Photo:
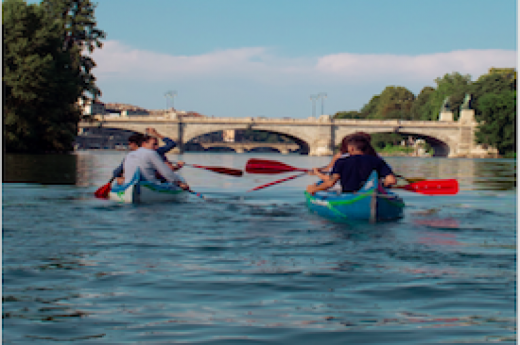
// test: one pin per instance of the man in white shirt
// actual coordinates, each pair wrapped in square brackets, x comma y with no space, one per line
[149,162]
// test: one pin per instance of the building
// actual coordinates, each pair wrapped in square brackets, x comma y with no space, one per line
[137,112]
[91,107]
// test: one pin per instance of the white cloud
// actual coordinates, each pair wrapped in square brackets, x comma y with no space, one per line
[118,61]
[419,67]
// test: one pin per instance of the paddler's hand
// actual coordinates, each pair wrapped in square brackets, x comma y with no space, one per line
[180,164]
[311,189]
[183,185]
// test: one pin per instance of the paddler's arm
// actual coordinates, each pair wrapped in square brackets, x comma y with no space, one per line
[317,172]
[324,186]
[169,144]
[118,171]
[332,162]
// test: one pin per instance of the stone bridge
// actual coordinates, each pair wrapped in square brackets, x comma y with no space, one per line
[315,136]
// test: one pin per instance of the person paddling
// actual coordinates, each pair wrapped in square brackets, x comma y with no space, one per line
[354,170]
[149,162]
[343,151]
[134,142]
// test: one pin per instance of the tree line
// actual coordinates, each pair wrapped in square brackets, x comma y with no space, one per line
[46,69]
[493,97]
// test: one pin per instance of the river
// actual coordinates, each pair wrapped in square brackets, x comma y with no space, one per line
[254,268]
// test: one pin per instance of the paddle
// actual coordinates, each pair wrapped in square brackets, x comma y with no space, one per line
[102,192]
[410,179]
[433,187]
[219,170]
[266,166]
[276,182]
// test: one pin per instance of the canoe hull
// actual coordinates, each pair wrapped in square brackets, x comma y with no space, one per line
[372,203]
[143,192]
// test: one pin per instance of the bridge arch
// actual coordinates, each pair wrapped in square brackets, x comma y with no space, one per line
[191,134]
[442,144]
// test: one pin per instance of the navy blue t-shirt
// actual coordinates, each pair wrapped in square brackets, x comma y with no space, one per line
[355,170]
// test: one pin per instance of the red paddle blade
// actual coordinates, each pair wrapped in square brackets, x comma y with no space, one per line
[434,187]
[103,191]
[276,182]
[221,170]
[265,166]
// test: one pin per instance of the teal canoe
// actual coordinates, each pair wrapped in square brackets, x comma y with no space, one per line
[371,203]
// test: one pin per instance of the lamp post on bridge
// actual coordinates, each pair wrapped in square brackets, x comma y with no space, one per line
[170,95]
[313,99]
[322,95]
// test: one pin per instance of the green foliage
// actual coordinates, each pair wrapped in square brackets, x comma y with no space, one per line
[420,105]
[394,102]
[397,150]
[371,107]
[78,33]
[42,80]
[348,115]
[498,116]
[491,83]
[380,140]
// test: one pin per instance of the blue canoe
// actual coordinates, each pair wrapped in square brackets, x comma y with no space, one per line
[371,203]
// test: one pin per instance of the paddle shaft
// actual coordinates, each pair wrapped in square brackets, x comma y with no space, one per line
[276,182]
[218,170]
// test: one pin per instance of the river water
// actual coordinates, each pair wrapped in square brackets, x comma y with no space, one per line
[254,268]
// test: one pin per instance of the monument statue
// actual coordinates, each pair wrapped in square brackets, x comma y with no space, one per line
[445,108]
[465,104]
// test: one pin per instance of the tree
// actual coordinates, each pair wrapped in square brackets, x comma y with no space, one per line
[43,77]
[419,109]
[370,108]
[495,82]
[353,114]
[394,102]
[498,121]
[40,88]
[79,34]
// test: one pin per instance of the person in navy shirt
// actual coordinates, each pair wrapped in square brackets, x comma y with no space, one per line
[354,170]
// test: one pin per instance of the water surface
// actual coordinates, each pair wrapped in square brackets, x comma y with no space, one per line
[254,267]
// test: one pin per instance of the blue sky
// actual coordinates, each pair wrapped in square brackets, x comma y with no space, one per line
[237,58]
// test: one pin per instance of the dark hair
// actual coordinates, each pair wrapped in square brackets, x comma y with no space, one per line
[146,138]
[361,143]
[136,139]
[361,135]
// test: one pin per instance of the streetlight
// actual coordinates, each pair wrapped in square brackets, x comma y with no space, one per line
[313,99]
[322,95]
[170,95]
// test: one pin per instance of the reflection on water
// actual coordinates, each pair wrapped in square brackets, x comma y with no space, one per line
[44,169]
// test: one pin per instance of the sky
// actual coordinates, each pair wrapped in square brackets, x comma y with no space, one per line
[238,58]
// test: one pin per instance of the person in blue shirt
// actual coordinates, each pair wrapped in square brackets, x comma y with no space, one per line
[354,170]
[135,141]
